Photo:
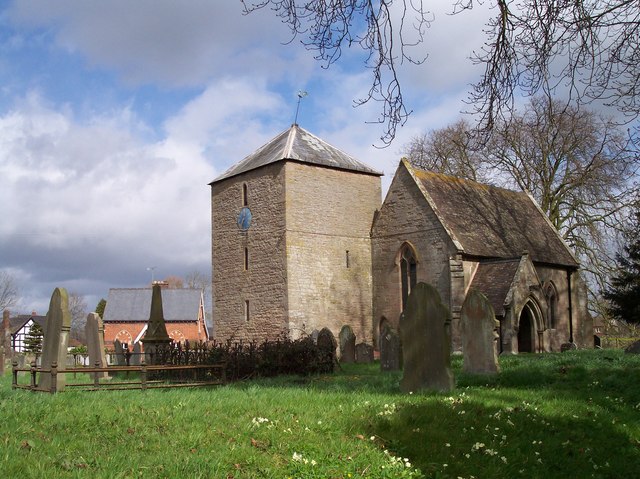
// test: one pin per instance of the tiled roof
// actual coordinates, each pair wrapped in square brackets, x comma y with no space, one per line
[17,322]
[491,222]
[494,281]
[134,304]
[297,144]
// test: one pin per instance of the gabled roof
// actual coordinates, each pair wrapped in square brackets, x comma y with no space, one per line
[134,304]
[491,222]
[297,144]
[18,322]
[494,281]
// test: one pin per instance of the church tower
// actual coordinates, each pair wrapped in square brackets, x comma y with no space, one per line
[291,246]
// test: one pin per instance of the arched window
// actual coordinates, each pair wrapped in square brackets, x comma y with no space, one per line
[551,296]
[408,272]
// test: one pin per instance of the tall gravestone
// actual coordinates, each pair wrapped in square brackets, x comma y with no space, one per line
[390,350]
[118,349]
[327,345]
[56,339]
[425,332]
[156,340]
[136,357]
[347,344]
[479,334]
[94,332]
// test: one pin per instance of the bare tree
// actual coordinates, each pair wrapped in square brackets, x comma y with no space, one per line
[451,150]
[581,169]
[9,293]
[78,311]
[534,47]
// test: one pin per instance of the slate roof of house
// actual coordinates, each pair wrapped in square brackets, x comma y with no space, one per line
[297,144]
[17,322]
[134,304]
[487,221]
[494,281]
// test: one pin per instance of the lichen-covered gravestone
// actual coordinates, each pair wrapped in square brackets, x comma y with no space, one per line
[347,344]
[479,334]
[94,332]
[56,340]
[364,353]
[327,345]
[425,331]
[390,350]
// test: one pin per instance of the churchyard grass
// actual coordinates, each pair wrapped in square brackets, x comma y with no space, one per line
[575,414]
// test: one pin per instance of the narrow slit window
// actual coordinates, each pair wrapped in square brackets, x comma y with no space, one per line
[246,310]
[347,259]
[245,195]
[246,259]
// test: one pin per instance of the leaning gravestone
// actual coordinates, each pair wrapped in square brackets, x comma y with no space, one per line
[94,331]
[364,353]
[390,350]
[347,344]
[56,340]
[425,332]
[327,345]
[479,334]
[119,351]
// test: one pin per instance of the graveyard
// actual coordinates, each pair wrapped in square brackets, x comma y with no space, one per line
[572,414]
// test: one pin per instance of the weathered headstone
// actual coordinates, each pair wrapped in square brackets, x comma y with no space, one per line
[347,344]
[327,345]
[568,347]
[425,332]
[94,332]
[118,349]
[56,340]
[633,348]
[156,340]
[136,357]
[364,353]
[390,350]
[479,334]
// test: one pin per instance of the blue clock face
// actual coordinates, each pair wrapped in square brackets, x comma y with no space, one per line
[244,219]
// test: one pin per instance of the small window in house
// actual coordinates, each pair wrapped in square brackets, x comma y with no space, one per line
[245,195]
[246,310]
[246,259]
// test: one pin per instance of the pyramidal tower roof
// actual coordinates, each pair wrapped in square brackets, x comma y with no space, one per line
[297,144]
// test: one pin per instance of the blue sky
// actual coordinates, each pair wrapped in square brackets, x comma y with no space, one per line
[115,115]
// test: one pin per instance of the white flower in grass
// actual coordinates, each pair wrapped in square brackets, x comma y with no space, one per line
[297,457]
[503,459]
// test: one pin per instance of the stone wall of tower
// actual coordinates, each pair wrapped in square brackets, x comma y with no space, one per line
[329,214]
[263,283]
[406,217]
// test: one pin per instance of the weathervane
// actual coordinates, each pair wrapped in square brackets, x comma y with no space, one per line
[301,95]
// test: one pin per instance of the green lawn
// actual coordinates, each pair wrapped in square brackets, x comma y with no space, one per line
[575,414]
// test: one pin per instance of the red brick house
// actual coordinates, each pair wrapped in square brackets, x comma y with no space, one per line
[127,313]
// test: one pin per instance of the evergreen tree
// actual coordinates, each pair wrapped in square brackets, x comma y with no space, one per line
[34,338]
[624,292]
[100,307]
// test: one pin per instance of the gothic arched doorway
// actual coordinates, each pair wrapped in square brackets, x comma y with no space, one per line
[528,328]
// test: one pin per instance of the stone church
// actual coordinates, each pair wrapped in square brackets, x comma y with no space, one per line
[302,241]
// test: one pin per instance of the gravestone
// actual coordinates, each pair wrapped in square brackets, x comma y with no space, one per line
[364,353]
[94,332]
[347,344]
[633,348]
[56,340]
[136,357]
[327,345]
[425,332]
[5,338]
[118,349]
[568,347]
[314,336]
[156,340]
[390,350]
[479,334]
